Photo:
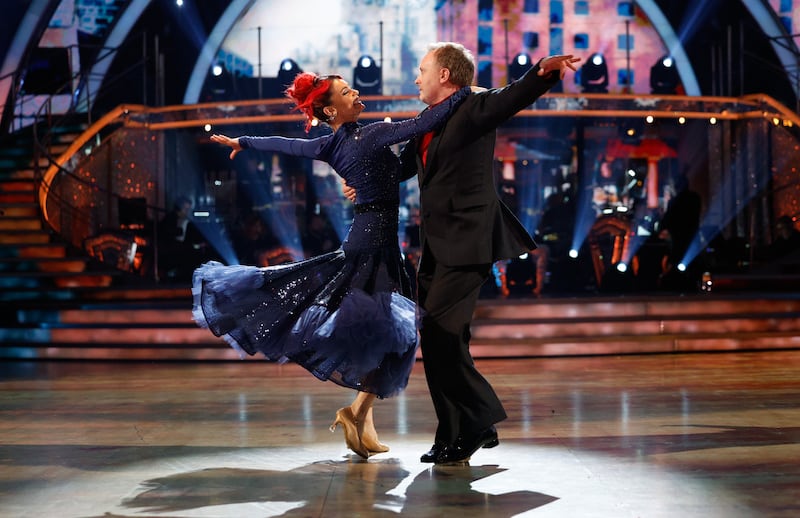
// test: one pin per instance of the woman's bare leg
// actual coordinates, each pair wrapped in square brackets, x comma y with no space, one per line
[362,410]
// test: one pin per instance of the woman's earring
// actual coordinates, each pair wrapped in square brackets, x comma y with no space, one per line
[331,116]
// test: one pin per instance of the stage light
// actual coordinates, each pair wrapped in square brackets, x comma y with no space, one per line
[573,253]
[650,119]
[518,66]
[622,267]
[681,120]
[220,83]
[681,267]
[712,120]
[594,75]
[287,71]
[367,76]
[664,77]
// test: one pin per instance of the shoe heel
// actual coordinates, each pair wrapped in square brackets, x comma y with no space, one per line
[346,419]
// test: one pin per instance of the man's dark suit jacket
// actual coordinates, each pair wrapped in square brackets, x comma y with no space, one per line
[462,220]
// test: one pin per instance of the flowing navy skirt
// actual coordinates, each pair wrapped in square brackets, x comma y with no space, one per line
[345,318]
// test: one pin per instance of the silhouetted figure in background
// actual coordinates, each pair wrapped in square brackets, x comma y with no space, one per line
[554,237]
[181,246]
[678,227]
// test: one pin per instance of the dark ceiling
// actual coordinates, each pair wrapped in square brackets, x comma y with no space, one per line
[729,53]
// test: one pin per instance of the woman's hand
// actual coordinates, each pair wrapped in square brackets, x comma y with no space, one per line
[227,141]
[348,191]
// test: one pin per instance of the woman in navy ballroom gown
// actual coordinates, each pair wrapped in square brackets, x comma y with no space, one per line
[346,316]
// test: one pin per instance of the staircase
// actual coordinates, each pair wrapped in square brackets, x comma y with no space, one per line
[158,326]
[35,264]
[633,325]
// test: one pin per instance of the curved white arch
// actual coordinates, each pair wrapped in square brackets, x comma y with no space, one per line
[121,29]
[767,19]
[22,41]
[673,43]
[212,44]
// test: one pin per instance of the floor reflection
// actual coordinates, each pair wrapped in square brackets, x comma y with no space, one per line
[348,487]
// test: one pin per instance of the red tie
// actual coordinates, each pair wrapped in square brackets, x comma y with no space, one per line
[423,146]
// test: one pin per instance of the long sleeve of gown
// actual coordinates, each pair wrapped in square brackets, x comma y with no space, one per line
[388,133]
[308,148]
[379,133]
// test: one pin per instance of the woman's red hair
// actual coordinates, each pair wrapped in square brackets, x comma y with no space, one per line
[311,93]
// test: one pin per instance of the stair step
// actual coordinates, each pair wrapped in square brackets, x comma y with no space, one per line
[20,210]
[632,345]
[71,276]
[550,309]
[15,185]
[213,349]
[40,251]
[23,237]
[127,352]
[83,280]
[123,301]
[104,317]
[35,295]
[24,173]
[583,329]
[21,265]
[13,163]
[20,223]
[18,197]
[783,325]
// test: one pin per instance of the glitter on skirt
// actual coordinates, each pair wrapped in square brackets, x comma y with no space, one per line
[345,316]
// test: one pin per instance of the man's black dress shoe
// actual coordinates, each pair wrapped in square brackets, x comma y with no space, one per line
[463,449]
[432,454]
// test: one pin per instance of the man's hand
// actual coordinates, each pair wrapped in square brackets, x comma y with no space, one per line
[348,191]
[227,141]
[558,63]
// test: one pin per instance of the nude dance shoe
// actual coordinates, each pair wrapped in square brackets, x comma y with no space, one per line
[373,445]
[345,417]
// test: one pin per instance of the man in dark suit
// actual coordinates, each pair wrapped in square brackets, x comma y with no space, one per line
[464,228]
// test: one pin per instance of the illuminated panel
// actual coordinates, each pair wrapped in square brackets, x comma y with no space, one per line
[769,21]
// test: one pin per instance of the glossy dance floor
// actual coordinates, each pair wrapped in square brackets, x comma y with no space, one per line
[692,435]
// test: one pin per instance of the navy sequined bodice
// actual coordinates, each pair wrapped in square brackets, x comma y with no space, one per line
[360,154]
